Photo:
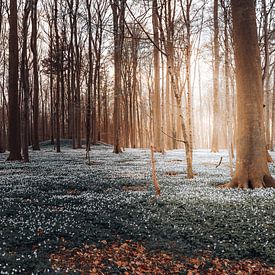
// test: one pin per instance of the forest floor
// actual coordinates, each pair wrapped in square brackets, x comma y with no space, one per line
[57,213]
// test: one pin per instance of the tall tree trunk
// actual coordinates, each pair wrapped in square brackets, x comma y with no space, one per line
[77,74]
[35,77]
[94,113]
[215,134]
[201,123]
[63,77]
[134,88]
[266,75]
[51,84]
[14,138]
[57,102]
[273,113]
[90,79]
[251,164]
[118,8]
[156,93]
[139,119]
[169,108]
[188,79]
[106,116]
[3,125]
[25,82]
[163,106]
[229,114]
[72,74]
[99,81]
[188,149]
[1,14]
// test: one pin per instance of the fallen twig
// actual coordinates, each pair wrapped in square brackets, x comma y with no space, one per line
[219,162]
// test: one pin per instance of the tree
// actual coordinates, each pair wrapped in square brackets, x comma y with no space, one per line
[229,122]
[118,8]
[71,76]
[273,114]
[14,139]
[266,77]
[100,8]
[3,61]
[90,80]
[25,82]
[156,92]
[251,165]
[1,14]
[77,98]
[57,102]
[188,52]
[173,77]
[266,74]
[215,146]
[35,76]
[49,12]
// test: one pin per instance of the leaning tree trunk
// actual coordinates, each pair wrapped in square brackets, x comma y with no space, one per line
[251,164]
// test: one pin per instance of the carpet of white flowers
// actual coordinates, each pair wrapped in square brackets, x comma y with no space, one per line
[58,198]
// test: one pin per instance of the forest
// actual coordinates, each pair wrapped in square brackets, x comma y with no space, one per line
[137,137]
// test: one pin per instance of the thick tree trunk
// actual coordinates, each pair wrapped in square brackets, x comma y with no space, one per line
[251,164]
[14,109]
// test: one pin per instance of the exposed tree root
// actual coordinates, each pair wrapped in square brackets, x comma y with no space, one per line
[268,157]
[253,183]
[269,181]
